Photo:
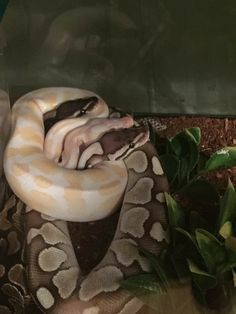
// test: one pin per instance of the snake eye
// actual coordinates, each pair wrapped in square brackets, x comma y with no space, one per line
[83,111]
[131,145]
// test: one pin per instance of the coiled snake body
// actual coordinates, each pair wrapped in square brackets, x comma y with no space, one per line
[126,168]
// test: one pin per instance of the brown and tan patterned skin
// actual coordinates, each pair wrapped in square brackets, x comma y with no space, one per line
[54,276]
[14,295]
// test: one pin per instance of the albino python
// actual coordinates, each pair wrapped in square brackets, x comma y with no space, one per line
[116,162]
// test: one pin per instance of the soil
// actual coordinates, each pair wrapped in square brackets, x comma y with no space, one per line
[92,239]
[216,134]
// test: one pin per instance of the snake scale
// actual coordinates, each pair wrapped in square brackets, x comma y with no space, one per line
[94,165]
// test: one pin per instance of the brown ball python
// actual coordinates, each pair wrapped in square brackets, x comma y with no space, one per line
[53,274]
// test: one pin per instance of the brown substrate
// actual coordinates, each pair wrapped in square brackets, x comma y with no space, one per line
[216,134]
[91,239]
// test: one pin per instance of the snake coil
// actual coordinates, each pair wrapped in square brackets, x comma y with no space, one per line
[121,169]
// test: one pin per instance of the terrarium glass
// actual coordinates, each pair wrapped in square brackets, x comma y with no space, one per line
[4,112]
[154,56]
[151,57]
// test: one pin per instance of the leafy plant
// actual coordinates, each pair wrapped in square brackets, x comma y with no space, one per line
[182,160]
[202,250]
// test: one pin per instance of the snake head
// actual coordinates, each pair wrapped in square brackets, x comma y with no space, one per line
[118,144]
[89,106]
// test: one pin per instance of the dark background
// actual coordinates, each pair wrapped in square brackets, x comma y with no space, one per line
[152,56]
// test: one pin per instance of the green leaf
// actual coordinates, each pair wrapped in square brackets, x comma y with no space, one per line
[202,279]
[201,191]
[177,257]
[175,212]
[157,265]
[195,134]
[179,141]
[191,249]
[188,236]
[201,162]
[224,158]
[230,245]
[212,250]
[3,6]
[145,287]
[142,284]
[197,221]
[177,299]
[170,166]
[234,277]
[162,145]
[226,230]
[184,147]
[227,206]
[187,164]
[174,264]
